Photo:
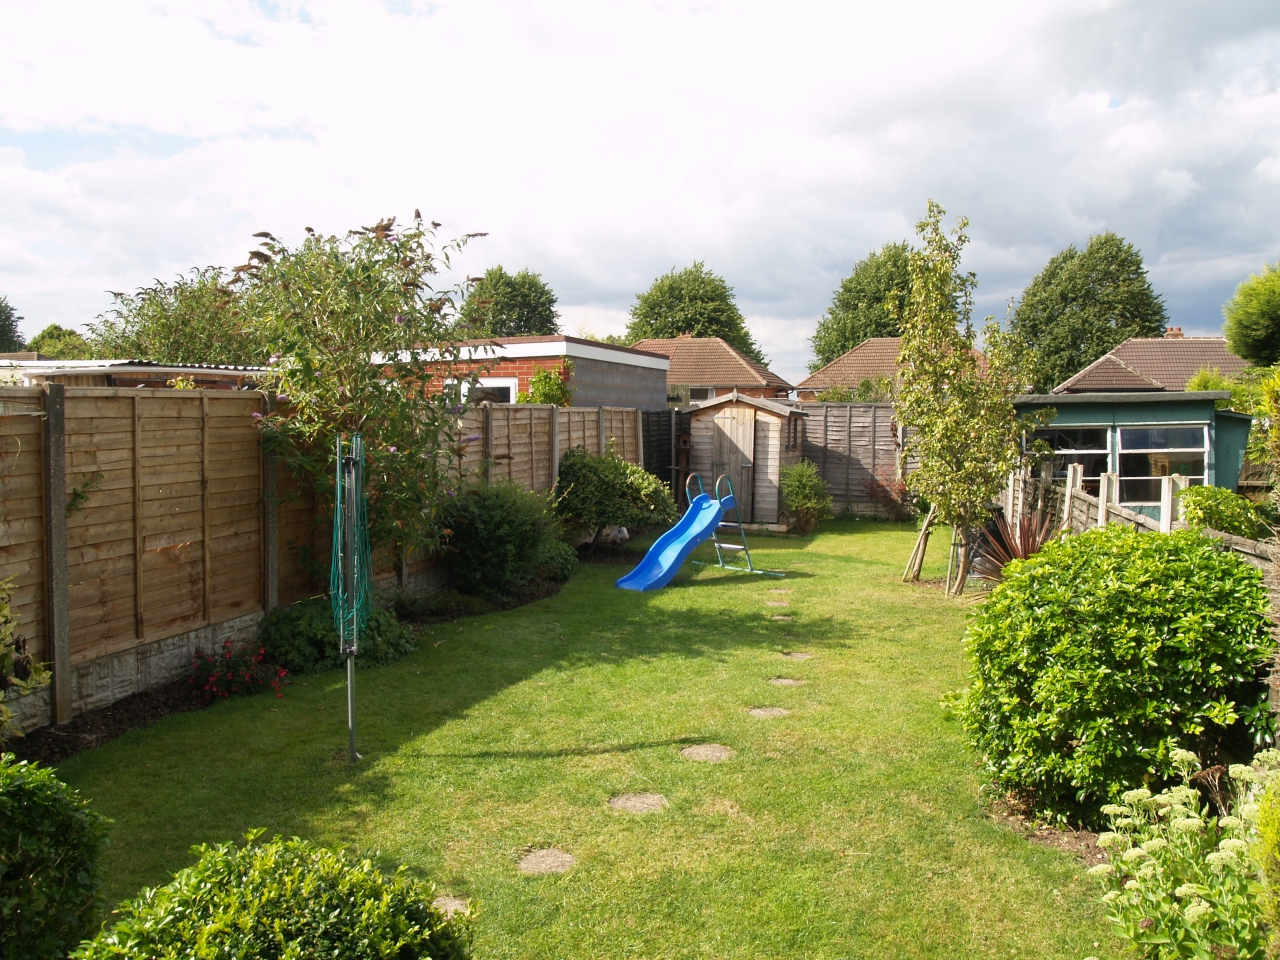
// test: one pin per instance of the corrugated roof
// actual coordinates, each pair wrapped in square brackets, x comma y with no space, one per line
[710,362]
[872,358]
[1154,363]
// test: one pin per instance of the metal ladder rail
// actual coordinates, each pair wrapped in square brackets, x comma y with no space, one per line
[721,545]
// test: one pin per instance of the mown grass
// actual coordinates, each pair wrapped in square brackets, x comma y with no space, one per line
[850,828]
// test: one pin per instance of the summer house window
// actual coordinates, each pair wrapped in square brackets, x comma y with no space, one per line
[1149,453]
[1088,446]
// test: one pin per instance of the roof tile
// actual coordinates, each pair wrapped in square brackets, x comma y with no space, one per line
[1154,363]
[710,362]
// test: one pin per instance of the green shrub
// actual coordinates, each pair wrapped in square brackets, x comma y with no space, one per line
[301,638]
[240,668]
[1097,657]
[1220,510]
[804,495]
[283,899]
[1266,852]
[555,561]
[600,492]
[1181,881]
[18,669]
[550,385]
[50,843]
[498,534]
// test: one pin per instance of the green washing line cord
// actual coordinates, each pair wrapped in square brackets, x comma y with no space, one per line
[351,567]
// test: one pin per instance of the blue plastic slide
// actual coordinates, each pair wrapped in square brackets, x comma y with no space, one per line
[671,549]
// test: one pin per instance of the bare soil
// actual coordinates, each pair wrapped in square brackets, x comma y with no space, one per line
[609,553]
[1082,843]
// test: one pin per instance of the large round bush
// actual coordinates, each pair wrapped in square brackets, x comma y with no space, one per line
[599,492]
[1104,652]
[283,899]
[50,843]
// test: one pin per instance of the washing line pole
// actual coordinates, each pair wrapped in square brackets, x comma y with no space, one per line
[349,583]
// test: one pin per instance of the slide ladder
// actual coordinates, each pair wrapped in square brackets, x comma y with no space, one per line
[731,503]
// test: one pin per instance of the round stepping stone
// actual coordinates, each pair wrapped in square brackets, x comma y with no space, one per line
[778,590]
[777,603]
[786,682]
[450,904]
[549,860]
[638,802]
[784,619]
[768,712]
[797,655]
[707,752]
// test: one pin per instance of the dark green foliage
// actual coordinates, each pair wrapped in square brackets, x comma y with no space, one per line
[1107,650]
[835,395]
[237,669]
[301,637]
[1085,303]
[555,561]
[1253,318]
[284,899]
[804,495]
[501,305]
[50,844]
[200,319]
[694,301]
[868,304]
[600,492]
[10,336]
[1220,510]
[59,343]
[499,538]
[419,605]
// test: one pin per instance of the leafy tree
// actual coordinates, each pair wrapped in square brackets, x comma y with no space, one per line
[195,319]
[694,301]
[501,305]
[868,304]
[361,337]
[1084,304]
[964,431]
[550,385]
[59,343]
[10,338]
[1253,318]
[837,394]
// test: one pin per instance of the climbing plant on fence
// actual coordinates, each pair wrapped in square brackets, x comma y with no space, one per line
[957,405]
[358,329]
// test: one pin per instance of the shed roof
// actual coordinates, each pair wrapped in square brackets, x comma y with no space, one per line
[1154,363]
[760,403]
[710,362]
[872,358]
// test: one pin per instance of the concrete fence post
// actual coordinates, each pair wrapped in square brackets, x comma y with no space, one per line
[1104,497]
[57,616]
[1075,477]
[640,437]
[270,526]
[554,440]
[1179,483]
[1166,504]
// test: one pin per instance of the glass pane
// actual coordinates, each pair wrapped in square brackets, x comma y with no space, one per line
[1075,438]
[1146,491]
[1161,464]
[1095,464]
[1161,438]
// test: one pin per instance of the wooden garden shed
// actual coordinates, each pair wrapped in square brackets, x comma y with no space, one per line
[749,439]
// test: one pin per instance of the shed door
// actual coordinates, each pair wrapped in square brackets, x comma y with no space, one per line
[733,452]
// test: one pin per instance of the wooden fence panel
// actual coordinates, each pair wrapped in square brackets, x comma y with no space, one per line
[857,448]
[22,510]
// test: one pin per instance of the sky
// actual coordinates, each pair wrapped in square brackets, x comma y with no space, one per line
[603,144]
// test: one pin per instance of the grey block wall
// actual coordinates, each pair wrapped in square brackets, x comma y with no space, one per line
[599,383]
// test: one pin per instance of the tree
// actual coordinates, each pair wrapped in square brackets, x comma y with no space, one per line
[361,337]
[868,304]
[59,343]
[10,338]
[1084,304]
[501,305]
[1253,318]
[195,319]
[694,301]
[963,429]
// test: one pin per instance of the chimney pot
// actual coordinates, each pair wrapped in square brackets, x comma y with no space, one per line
[1173,333]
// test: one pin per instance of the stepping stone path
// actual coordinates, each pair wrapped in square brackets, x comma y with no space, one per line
[781,617]
[797,655]
[707,752]
[638,802]
[777,603]
[450,904]
[786,682]
[549,860]
[768,712]
[778,590]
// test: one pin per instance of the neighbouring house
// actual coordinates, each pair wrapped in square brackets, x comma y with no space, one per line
[703,368]
[748,439]
[31,370]
[874,359]
[1129,414]
[600,375]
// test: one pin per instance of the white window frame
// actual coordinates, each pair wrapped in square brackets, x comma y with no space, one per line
[512,383]
[1121,450]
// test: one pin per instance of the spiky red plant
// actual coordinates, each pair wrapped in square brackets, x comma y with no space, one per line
[1000,542]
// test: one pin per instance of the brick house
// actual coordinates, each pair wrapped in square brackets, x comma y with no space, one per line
[703,368]
[603,375]
[873,359]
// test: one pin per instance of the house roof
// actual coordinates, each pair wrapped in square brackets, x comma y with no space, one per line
[510,348]
[872,358]
[760,403]
[710,362]
[1154,363]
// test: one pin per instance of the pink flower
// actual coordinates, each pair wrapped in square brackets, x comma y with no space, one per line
[256,415]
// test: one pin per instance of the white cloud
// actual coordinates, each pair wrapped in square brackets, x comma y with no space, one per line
[603,144]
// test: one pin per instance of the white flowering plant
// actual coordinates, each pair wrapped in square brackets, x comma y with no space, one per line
[1181,881]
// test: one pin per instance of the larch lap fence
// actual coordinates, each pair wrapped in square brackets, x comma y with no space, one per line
[167,532]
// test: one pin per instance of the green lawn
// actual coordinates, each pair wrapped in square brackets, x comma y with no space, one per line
[849,828]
